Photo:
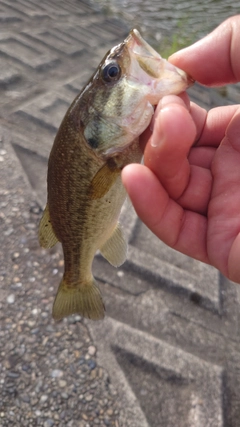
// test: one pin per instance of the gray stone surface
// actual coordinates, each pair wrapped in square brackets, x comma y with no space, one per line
[168,352]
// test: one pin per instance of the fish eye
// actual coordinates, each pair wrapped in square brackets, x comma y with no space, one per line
[111,72]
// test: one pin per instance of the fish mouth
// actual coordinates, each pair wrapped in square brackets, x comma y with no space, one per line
[149,68]
[140,48]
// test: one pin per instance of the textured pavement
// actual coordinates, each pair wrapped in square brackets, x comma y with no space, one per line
[168,352]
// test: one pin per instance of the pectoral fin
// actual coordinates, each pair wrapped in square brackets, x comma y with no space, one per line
[103,180]
[46,235]
[115,248]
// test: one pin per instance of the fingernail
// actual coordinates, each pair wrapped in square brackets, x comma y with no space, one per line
[152,123]
[151,126]
[158,135]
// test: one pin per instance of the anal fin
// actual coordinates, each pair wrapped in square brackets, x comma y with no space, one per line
[115,248]
[46,235]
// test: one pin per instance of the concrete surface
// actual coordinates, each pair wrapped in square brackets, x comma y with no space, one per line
[168,352]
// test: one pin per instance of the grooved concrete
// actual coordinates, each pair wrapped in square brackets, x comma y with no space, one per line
[170,341]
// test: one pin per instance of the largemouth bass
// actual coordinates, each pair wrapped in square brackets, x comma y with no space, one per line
[97,138]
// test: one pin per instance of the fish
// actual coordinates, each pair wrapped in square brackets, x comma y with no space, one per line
[97,138]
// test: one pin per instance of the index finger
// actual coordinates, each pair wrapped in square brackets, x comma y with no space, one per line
[213,60]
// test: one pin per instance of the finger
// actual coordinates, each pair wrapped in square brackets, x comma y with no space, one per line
[215,59]
[198,191]
[224,208]
[166,153]
[182,99]
[201,156]
[182,230]
[233,260]
[212,127]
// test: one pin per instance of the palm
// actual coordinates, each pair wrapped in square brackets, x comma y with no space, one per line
[224,205]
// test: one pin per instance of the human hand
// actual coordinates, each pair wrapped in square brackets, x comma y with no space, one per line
[188,190]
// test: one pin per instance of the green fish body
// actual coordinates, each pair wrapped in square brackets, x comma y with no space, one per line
[97,138]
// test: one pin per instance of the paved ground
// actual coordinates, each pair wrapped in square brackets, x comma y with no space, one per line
[168,352]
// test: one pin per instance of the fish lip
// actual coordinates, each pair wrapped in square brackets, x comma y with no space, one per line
[139,46]
[152,68]
[190,81]
[186,76]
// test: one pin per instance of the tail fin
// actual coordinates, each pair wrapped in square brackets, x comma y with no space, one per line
[85,300]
